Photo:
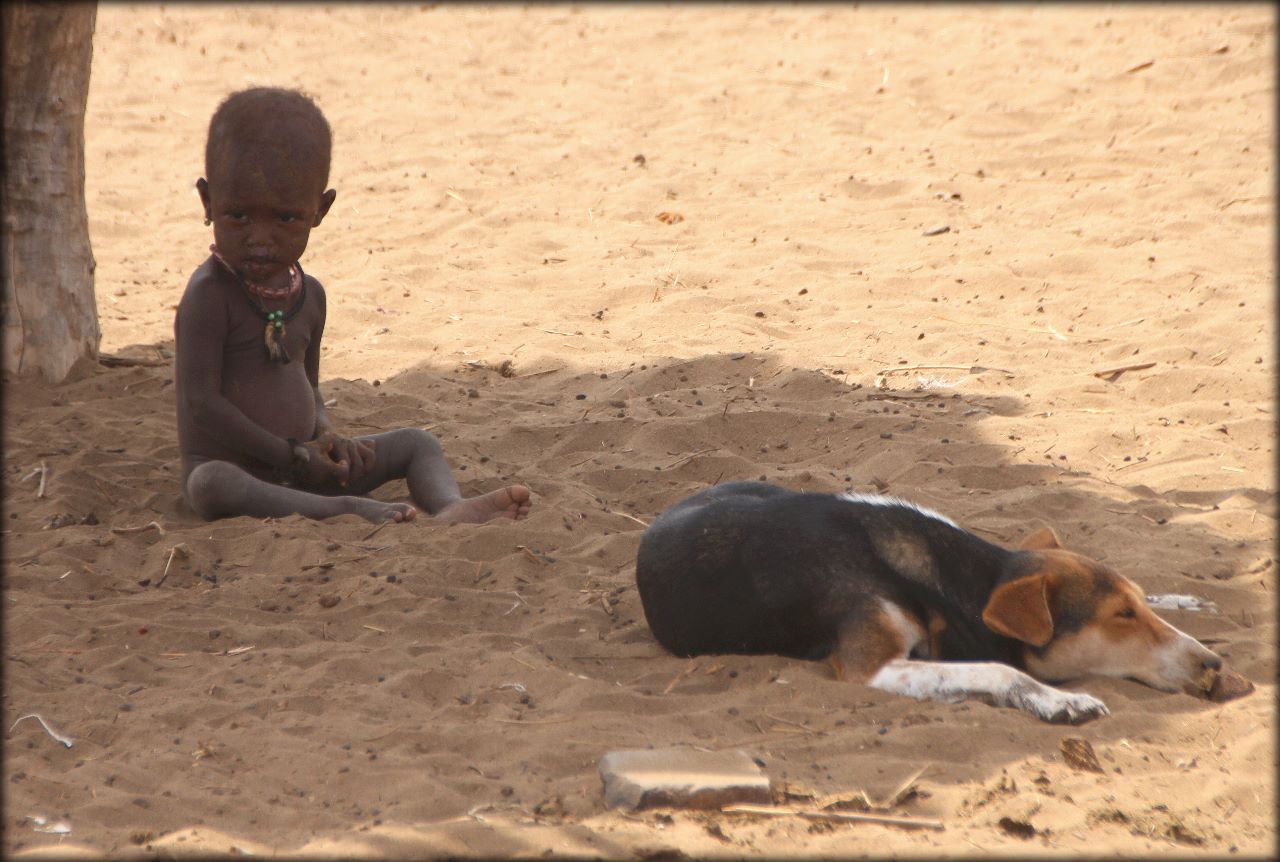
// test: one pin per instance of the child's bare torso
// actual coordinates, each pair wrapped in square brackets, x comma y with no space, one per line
[279,397]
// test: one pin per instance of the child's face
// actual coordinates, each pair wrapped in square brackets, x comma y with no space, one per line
[263,213]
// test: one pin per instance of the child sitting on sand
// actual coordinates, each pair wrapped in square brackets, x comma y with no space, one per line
[252,427]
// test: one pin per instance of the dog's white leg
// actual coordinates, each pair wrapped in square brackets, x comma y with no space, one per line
[990,682]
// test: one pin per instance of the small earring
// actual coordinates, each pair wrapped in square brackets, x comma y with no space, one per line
[208,222]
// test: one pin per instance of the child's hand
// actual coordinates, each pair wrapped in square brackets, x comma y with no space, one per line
[358,455]
[323,466]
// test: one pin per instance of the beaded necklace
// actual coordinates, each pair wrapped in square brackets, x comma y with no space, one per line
[273,334]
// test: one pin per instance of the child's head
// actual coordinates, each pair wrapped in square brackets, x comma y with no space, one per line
[266,168]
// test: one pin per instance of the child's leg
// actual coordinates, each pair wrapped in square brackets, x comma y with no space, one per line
[218,489]
[415,455]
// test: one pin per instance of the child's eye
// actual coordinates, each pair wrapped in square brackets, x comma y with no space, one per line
[289,218]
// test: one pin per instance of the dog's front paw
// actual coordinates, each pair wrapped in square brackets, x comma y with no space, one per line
[1064,707]
[1079,708]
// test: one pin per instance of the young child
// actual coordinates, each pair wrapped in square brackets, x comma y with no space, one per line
[252,427]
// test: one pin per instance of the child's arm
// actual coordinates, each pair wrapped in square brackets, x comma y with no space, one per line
[357,456]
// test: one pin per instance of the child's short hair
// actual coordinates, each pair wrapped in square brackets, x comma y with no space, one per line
[274,116]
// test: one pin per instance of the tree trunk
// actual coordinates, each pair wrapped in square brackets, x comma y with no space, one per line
[50,316]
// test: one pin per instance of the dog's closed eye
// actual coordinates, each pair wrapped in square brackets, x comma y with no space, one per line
[1126,613]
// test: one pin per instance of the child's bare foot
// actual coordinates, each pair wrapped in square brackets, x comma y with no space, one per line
[512,502]
[377,511]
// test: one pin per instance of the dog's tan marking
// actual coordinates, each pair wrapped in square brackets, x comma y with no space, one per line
[906,553]
[868,645]
[1020,609]
[937,624]
[837,666]
[1041,540]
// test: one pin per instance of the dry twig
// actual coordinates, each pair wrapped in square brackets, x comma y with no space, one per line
[690,668]
[900,396]
[129,362]
[905,822]
[375,530]
[904,789]
[177,550]
[789,721]
[971,369]
[632,517]
[1111,374]
[141,529]
[536,557]
[537,373]
[690,457]
[49,730]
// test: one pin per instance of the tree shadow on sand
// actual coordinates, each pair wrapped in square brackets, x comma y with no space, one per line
[551,601]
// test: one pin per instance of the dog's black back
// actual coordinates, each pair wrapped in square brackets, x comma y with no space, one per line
[748,567]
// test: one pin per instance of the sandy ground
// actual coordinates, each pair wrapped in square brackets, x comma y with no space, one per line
[1106,177]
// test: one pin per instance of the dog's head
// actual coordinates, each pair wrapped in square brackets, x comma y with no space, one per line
[1078,616]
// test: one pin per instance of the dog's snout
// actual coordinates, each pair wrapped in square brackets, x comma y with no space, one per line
[1211,662]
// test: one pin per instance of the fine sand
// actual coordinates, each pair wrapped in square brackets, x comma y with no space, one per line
[498,271]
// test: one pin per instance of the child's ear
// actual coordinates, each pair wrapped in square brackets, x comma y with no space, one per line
[202,186]
[326,201]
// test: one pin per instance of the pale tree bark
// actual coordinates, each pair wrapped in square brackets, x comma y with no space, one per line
[50,316]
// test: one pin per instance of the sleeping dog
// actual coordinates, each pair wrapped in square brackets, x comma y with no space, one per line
[902,599]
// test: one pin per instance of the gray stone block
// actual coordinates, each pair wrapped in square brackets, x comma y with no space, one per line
[681,778]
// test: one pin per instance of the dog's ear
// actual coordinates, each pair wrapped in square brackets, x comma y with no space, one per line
[1020,609]
[1041,540]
